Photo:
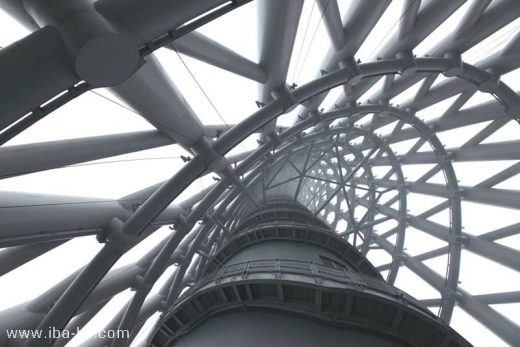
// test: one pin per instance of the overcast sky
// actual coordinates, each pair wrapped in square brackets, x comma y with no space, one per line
[234,97]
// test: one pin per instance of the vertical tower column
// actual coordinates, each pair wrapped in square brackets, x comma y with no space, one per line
[285,279]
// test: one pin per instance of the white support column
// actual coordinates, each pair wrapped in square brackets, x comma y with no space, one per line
[29,158]
[25,214]
[156,97]
[278,22]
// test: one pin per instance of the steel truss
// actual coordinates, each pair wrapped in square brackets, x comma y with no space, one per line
[324,162]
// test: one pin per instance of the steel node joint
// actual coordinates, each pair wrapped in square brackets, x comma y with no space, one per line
[461,239]
[140,283]
[350,64]
[445,159]
[456,192]
[449,294]
[404,186]
[274,139]
[298,139]
[489,85]
[404,218]
[285,94]
[164,305]
[409,65]
[457,65]
[316,116]
[114,234]
[513,112]
[181,223]
[213,161]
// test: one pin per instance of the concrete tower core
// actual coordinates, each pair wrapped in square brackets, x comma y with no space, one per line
[260,173]
[282,278]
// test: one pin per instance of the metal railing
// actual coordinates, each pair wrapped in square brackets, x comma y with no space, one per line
[318,272]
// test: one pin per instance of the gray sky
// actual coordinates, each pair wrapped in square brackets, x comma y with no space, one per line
[235,97]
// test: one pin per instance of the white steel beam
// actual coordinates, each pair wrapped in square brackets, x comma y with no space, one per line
[156,97]
[24,159]
[209,51]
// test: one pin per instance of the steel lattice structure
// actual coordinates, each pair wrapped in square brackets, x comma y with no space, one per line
[325,161]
